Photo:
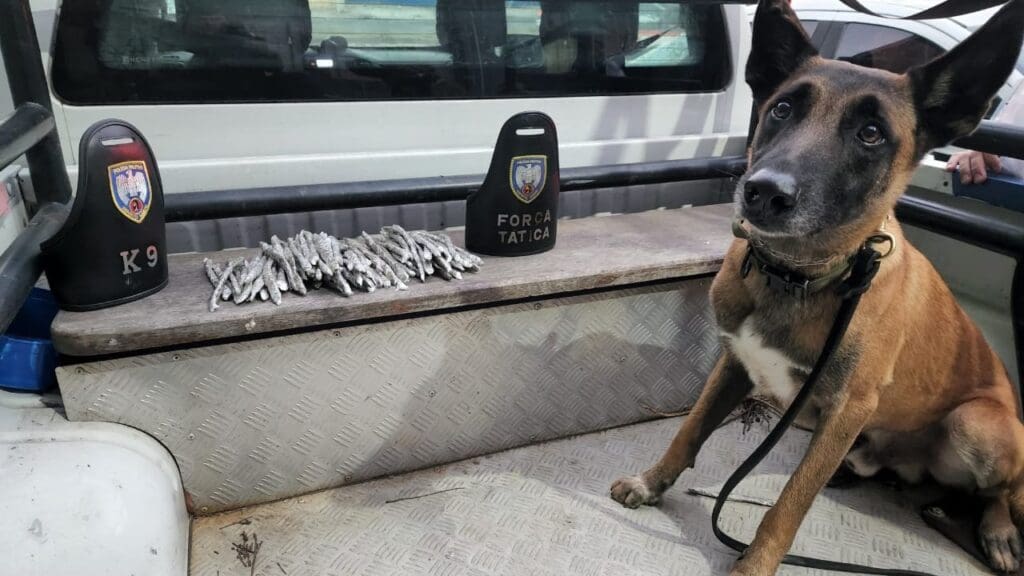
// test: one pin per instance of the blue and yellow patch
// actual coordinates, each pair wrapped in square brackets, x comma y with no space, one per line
[527,176]
[130,189]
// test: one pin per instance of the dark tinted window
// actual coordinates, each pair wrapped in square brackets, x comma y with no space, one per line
[134,51]
[883,47]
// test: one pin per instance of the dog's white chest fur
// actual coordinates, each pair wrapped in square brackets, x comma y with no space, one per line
[769,369]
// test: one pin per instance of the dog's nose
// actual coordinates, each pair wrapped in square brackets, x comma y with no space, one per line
[770,193]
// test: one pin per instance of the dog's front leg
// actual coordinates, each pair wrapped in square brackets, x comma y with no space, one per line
[837,429]
[727,386]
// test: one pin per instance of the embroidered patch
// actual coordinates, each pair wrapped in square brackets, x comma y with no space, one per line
[527,176]
[130,189]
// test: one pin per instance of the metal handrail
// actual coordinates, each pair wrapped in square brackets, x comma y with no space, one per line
[21,265]
[27,126]
[996,138]
[290,199]
[966,219]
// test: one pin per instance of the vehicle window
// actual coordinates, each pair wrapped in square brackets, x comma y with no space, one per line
[884,47]
[809,26]
[144,51]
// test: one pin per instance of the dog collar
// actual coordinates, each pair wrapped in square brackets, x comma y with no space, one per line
[796,284]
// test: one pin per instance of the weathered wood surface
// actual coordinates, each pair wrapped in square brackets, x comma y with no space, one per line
[591,253]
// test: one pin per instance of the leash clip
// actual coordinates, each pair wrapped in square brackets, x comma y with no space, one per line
[865,266]
[883,237]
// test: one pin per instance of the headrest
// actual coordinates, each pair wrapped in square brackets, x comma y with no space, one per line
[111,249]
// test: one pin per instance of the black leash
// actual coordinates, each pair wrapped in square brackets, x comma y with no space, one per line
[863,271]
[947,9]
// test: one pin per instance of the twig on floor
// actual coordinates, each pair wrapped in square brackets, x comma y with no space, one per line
[752,411]
[743,499]
[686,412]
[756,410]
[248,551]
[423,495]
[242,522]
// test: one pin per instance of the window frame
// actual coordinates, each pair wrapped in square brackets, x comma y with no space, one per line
[104,88]
[844,26]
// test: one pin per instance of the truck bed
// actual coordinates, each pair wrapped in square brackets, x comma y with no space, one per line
[457,428]
[544,510]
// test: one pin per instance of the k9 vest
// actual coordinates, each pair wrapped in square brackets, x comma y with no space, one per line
[515,212]
[111,250]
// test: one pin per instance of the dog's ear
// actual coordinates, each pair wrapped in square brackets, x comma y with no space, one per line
[779,47]
[953,92]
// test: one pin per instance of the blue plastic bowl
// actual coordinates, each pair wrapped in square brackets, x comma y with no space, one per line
[27,356]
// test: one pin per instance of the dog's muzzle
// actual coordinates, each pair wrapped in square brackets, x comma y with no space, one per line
[769,196]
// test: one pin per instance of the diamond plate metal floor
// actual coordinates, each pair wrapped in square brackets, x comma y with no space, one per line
[544,510]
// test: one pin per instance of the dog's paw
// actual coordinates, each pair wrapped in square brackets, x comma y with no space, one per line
[633,491]
[1003,547]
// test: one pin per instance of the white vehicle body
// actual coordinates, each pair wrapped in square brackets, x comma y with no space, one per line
[229,146]
[100,498]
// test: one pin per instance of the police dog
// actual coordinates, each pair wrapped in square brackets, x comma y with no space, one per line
[913,382]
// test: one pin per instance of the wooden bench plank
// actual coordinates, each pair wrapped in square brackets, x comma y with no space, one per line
[591,253]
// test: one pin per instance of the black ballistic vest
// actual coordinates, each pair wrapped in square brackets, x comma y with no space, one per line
[515,211]
[111,250]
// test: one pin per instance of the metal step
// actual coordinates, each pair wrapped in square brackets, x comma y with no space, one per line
[544,510]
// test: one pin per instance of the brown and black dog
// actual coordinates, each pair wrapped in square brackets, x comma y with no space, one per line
[914,379]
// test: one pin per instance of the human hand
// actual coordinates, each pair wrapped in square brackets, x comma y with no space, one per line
[974,165]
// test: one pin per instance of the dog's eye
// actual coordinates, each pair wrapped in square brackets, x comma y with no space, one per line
[782,110]
[871,135]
